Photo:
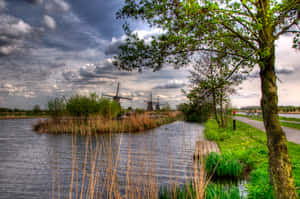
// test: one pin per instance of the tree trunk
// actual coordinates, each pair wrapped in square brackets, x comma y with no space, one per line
[215,107]
[280,167]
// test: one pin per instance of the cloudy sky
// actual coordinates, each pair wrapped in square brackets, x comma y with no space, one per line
[52,48]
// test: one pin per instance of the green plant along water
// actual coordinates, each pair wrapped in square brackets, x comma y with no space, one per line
[223,165]
[248,145]
[212,191]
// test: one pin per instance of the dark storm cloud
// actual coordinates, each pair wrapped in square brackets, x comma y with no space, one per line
[34,1]
[100,14]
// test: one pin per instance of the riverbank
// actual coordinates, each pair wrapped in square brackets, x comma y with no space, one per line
[95,125]
[249,145]
[13,117]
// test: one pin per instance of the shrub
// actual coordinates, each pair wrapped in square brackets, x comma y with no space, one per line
[57,107]
[79,106]
[223,165]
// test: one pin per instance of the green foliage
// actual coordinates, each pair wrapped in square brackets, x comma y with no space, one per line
[194,112]
[79,106]
[109,108]
[57,107]
[224,165]
[259,186]
[85,106]
[212,191]
[36,109]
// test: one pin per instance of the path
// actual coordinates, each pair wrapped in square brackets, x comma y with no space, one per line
[292,135]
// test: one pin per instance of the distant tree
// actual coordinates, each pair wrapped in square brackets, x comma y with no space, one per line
[215,77]
[36,109]
[57,107]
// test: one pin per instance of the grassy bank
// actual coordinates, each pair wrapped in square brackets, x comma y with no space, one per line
[249,145]
[286,124]
[90,126]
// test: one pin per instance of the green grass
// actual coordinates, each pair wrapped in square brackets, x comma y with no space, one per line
[223,165]
[249,145]
[290,125]
[212,191]
[289,119]
[286,124]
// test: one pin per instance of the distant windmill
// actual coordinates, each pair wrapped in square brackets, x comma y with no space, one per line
[158,104]
[116,97]
[149,103]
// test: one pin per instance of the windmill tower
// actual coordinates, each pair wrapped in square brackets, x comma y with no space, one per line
[158,104]
[117,98]
[149,103]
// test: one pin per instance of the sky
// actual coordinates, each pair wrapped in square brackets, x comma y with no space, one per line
[54,48]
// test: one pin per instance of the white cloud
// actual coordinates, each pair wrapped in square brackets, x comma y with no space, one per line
[57,5]
[49,22]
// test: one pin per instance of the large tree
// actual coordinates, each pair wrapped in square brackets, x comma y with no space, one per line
[245,31]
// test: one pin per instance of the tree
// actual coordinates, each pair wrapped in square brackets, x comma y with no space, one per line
[36,109]
[214,79]
[245,31]
[57,107]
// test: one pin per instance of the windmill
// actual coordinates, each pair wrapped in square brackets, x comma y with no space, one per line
[158,104]
[116,97]
[149,103]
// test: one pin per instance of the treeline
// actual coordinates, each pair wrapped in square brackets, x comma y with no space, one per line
[83,107]
[36,111]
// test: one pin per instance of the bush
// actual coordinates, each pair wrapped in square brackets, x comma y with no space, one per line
[79,106]
[223,165]
[85,106]
[109,108]
[57,107]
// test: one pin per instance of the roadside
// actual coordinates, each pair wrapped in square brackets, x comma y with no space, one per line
[249,146]
[293,135]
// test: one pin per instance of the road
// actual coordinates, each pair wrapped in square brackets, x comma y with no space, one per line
[292,135]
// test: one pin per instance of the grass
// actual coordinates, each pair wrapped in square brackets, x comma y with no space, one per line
[249,145]
[290,125]
[134,123]
[286,124]
[223,165]
[212,191]
[289,119]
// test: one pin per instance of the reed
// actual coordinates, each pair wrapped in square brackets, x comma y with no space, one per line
[223,165]
[95,125]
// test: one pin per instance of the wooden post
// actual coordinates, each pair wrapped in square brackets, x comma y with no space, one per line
[234,122]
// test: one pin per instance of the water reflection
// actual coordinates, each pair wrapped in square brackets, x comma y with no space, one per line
[40,166]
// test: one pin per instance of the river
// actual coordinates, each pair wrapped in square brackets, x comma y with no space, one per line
[36,165]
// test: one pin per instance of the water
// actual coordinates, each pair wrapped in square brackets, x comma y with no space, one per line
[33,165]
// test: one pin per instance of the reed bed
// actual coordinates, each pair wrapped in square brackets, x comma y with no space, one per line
[95,125]
[97,174]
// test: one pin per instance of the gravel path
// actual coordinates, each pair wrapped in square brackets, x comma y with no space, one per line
[292,135]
